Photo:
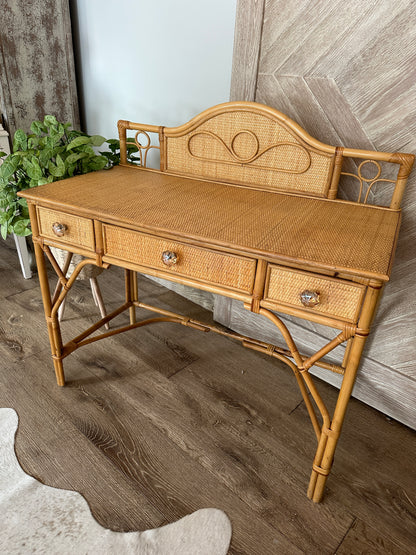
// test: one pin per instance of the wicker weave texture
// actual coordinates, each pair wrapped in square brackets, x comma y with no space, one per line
[80,231]
[337,298]
[231,271]
[250,149]
[337,234]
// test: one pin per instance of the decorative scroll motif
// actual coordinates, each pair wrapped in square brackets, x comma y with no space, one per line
[144,148]
[369,181]
[256,153]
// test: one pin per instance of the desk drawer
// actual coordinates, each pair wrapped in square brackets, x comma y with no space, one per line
[235,272]
[337,298]
[74,230]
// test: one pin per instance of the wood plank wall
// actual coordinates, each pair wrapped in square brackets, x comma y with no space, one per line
[346,72]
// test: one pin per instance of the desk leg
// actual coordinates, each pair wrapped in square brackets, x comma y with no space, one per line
[326,447]
[54,329]
[131,292]
[329,438]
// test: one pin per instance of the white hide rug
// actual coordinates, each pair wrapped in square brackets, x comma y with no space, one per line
[35,518]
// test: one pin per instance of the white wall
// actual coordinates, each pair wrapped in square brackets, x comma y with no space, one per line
[159,62]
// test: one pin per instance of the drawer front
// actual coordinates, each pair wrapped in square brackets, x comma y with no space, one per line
[336,298]
[235,272]
[77,231]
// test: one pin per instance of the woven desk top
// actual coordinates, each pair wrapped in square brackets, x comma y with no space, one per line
[319,233]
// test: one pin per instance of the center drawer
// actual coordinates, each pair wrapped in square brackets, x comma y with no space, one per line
[208,266]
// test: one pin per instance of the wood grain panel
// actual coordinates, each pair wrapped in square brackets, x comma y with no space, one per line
[347,73]
[247,40]
[356,33]
[338,112]
[277,46]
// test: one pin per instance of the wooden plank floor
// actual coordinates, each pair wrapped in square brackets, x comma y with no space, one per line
[164,420]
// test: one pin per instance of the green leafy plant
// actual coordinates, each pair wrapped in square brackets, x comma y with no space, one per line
[51,152]
[113,152]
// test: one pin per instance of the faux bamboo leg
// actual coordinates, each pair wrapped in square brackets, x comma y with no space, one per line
[131,292]
[329,438]
[135,297]
[54,331]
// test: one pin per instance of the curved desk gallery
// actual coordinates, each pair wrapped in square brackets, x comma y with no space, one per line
[244,205]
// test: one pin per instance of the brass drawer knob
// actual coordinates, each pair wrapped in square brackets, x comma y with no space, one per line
[309,298]
[169,258]
[59,229]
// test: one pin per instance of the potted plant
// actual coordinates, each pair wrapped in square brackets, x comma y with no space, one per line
[51,152]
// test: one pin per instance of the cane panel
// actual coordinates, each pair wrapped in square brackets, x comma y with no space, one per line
[337,298]
[235,272]
[77,231]
[249,146]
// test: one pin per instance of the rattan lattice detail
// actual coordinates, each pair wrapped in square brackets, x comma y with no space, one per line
[144,148]
[369,181]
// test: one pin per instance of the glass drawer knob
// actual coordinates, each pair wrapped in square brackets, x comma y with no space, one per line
[59,229]
[169,258]
[309,298]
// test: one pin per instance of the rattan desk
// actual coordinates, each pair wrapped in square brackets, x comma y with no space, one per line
[275,249]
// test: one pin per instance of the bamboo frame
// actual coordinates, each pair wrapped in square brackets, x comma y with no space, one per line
[327,429]
[330,435]
[302,140]
[353,326]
